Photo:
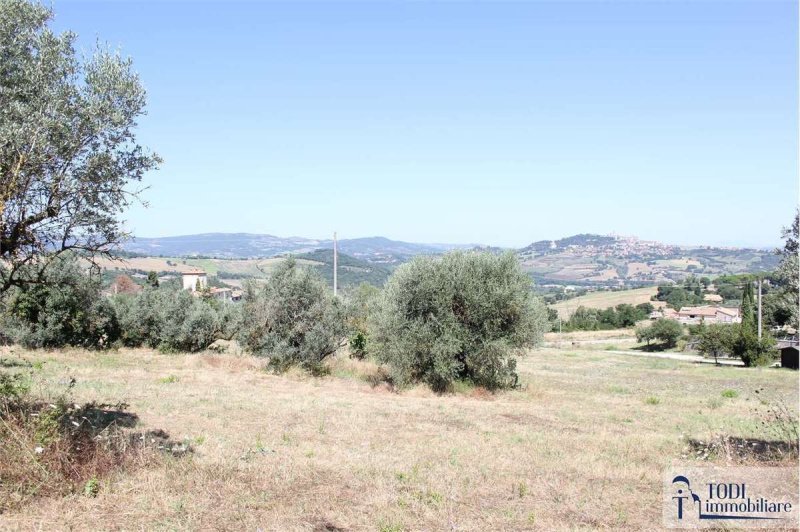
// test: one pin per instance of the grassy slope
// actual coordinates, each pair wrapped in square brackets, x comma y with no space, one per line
[246,267]
[352,271]
[579,446]
[604,300]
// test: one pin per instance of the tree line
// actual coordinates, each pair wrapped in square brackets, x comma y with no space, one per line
[458,317]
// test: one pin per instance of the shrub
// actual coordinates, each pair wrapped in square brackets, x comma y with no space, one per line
[65,309]
[359,306]
[458,317]
[744,344]
[188,323]
[293,319]
[171,319]
[358,345]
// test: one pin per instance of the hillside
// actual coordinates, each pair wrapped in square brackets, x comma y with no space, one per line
[352,271]
[605,299]
[378,250]
[584,259]
[616,261]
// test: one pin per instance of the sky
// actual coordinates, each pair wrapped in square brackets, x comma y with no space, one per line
[494,123]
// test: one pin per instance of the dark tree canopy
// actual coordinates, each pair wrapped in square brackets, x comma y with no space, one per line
[68,151]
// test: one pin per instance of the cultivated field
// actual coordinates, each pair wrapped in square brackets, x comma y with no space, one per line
[243,267]
[581,445]
[605,299]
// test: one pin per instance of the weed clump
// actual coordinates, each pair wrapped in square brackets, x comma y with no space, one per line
[58,447]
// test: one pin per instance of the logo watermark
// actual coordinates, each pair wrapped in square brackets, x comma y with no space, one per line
[715,496]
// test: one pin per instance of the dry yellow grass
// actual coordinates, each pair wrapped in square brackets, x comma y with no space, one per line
[248,267]
[607,299]
[578,446]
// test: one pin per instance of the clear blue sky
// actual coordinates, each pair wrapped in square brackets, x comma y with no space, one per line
[453,122]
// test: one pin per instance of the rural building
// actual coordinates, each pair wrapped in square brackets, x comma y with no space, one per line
[789,357]
[223,294]
[665,312]
[191,279]
[708,314]
[124,285]
[712,298]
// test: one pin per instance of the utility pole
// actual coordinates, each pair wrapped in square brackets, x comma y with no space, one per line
[759,308]
[336,264]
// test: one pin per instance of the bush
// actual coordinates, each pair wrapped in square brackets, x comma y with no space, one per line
[361,304]
[744,344]
[293,319]
[172,319]
[64,308]
[666,331]
[358,345]
[189,323]
[458,317]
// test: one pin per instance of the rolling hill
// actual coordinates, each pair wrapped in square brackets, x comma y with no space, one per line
[588,259]
[583,259]
[352,271]
[377,250]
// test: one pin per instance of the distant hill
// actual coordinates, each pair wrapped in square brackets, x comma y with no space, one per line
[352,271]
[378,250]
[583,259]
[615,261]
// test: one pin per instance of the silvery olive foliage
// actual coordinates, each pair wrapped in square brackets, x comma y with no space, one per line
[293,318]
[463,316]
[172,319]
[67,309]
[69,157]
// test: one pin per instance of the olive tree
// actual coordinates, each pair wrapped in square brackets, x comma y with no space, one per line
[716,339]
[170,319]
[293,319]
[69,157]
[67,309]
[462,316]
[665,330]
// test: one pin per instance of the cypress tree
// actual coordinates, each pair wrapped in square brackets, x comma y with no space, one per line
[748,307]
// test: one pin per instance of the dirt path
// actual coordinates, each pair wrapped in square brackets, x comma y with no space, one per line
[697,359]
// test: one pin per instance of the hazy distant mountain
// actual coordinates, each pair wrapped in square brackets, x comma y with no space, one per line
[578,259]
[246,245]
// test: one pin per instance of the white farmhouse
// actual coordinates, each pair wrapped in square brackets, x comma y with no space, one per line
[191,280]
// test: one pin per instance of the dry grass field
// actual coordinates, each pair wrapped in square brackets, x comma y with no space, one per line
[605,299]
[247,267]
[581,445]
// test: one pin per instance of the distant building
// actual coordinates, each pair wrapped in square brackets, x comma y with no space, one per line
[665,312]
[124,285]
[223,294]
[712,298]
[708,314]
[194,280]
